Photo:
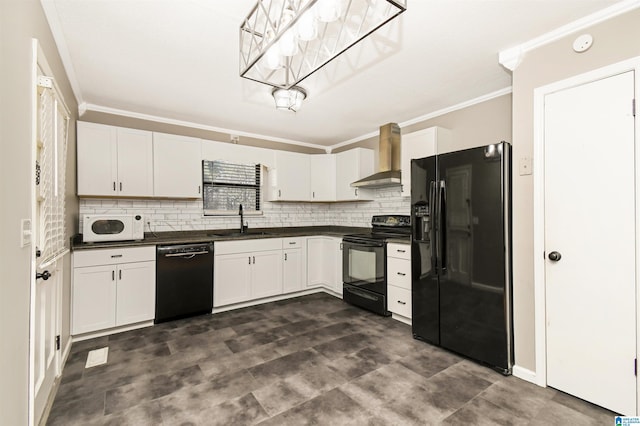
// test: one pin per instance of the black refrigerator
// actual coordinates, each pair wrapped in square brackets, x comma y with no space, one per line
[461,253]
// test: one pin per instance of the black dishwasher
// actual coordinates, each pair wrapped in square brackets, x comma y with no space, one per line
[184,281]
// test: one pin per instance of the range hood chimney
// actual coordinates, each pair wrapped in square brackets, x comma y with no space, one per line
[389,160]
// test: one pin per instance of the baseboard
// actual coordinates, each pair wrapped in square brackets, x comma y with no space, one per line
[109,331]
[401,318]
[255,302]
[525,374]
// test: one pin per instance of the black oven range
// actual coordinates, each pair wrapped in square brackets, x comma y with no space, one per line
[364,266]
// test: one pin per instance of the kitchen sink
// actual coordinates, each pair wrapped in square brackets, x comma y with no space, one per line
[247,233]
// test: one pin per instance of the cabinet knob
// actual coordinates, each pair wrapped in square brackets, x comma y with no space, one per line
[402,274]
[401,302]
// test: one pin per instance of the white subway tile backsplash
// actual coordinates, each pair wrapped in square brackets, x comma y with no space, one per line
[169,215]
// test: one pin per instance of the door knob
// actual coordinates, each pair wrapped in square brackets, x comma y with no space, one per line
[555,256]
[45,275]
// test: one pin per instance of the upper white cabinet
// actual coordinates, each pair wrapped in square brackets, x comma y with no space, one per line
[327,177]
[323,177]
[351,166]
[290,177]
[114,161]
[177,166]
[420,144]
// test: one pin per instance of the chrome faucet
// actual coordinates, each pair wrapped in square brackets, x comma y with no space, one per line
[241,213]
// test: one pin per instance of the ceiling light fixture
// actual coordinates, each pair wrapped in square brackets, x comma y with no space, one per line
[282,42]
[289,99]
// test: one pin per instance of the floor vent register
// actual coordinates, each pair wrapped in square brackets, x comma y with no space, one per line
[97,357]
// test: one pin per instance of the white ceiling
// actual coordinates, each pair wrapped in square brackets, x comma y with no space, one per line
[178,60]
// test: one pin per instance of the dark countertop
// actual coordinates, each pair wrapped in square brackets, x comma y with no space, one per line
[188,237]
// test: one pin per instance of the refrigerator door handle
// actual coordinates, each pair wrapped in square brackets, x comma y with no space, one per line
[442,224]
[433,190]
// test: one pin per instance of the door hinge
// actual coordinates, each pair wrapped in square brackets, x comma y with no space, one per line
[45,82]
[58,342]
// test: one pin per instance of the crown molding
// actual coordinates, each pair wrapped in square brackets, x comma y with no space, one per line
[438,113]
[140,116]
[51,14]
[512,57]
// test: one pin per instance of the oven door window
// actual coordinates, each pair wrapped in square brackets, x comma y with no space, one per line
[363,266]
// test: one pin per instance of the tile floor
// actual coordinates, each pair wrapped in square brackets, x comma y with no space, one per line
[312,360]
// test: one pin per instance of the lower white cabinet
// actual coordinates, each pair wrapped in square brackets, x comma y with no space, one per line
[294,266]
[399,279]
[247,269]
[324,263]
[112,287]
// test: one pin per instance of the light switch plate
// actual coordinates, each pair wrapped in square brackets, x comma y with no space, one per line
[526,166]
[25,232]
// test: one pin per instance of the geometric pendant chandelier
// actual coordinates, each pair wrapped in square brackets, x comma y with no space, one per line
[282,42]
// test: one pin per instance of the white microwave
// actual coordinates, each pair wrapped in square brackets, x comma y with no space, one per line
[117,227]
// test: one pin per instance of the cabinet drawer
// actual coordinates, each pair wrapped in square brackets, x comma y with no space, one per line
[399,301]
[293,242]
[399,272]
[402,251]
[247,246]
[91,257]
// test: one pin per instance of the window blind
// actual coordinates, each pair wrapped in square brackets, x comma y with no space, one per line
[227,185]
[53,126]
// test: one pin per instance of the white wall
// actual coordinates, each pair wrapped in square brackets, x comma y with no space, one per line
[613,41]
[20,21]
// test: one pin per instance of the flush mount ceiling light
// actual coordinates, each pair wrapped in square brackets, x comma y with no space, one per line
[289,99]
[282,42]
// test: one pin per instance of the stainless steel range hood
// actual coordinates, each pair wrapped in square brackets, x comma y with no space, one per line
[389,160]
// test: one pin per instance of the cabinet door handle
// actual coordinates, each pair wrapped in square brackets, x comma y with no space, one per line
[198,189]
[313,194]
[254,260]
[401,302]
[279,193]
[113,256]
[401,251]
[285,256]
[291,242]
[114,186]
[356,192]
[402,274]
[249,260]
[113,275]
[120,186]
[119,274]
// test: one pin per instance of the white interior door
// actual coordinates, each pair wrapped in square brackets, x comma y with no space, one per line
[589,175]
[45,313]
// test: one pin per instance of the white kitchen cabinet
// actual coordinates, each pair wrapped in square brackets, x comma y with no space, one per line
[177,166]
[290,177]
[399,280]
[246,269]
[420,144]
[324,263]
[266,274]
[323,177]
[114,161]
[294,264]
[112,287]
[353,165]
[231,278]
[94,299]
